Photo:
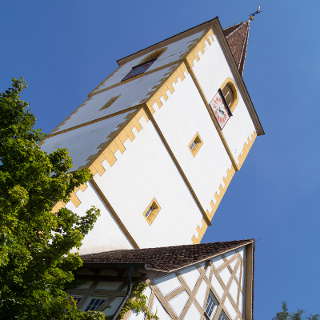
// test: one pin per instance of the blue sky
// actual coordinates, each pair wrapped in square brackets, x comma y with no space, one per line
[64,48]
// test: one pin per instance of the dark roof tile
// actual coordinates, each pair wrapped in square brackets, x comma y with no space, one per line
[237,38]
[164,259]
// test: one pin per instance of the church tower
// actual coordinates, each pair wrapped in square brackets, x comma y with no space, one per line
[163,135]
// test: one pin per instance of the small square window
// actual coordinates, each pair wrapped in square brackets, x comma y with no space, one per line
[94,304]
[152,211]
[195,144]
[212,305]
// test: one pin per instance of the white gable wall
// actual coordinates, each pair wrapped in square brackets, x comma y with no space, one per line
[174,51]
[211,70]
[188,299]
[130,94]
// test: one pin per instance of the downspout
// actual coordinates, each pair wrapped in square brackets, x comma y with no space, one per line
[125,299]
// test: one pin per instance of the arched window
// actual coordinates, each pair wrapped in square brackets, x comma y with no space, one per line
[230,95]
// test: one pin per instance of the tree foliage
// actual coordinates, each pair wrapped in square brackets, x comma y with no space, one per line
[284,314]
[137,302]
[35,260]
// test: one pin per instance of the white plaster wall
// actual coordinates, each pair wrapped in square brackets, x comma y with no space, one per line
[85,141]
[201,294]
[143,172]
[230,309]
[211,71]
[180,118]
[173,52]
[190,276]
[105,235]
[167,283]
[225,275]
[233,290]
[217,286]
[158,309]
[130,94]
[178,302]
[192,313]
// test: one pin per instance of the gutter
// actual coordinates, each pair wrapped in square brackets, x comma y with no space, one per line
[127,296]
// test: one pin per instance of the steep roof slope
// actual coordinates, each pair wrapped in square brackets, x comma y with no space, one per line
[237,38]
[165,259]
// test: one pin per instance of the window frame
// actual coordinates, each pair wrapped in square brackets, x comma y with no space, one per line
[214,308]
[229,83]
[154,209]
[147,60]
[194,147]
[97,307]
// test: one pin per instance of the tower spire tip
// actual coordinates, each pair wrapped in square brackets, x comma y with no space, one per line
[252,15]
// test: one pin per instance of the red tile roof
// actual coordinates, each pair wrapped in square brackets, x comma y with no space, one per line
[164,259]
[237,38]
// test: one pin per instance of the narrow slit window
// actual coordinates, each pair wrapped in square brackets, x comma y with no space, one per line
[109,103]
[212,305]
[195,144]
[152,211]
[94,304]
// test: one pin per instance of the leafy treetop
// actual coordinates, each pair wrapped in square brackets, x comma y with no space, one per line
[36,263]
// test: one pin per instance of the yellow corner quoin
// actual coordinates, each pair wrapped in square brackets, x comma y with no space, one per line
[151,211]
[194,54]
[73,198]
[195,144]
[246,148]
[115,143]
[160,93]
[233,86]
[200,230]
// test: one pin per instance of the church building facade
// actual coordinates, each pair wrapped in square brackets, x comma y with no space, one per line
[163,136]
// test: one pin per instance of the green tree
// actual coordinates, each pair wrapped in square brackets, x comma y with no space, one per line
[35,260]
[298,315]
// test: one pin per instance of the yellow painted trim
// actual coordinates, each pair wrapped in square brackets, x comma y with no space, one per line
[246,148]
[107,152]
[214,204]
[197,146]
[152,55]
[235,91]
[160,93]
[115,143]
[194,54]
[154,205]
[73,198]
